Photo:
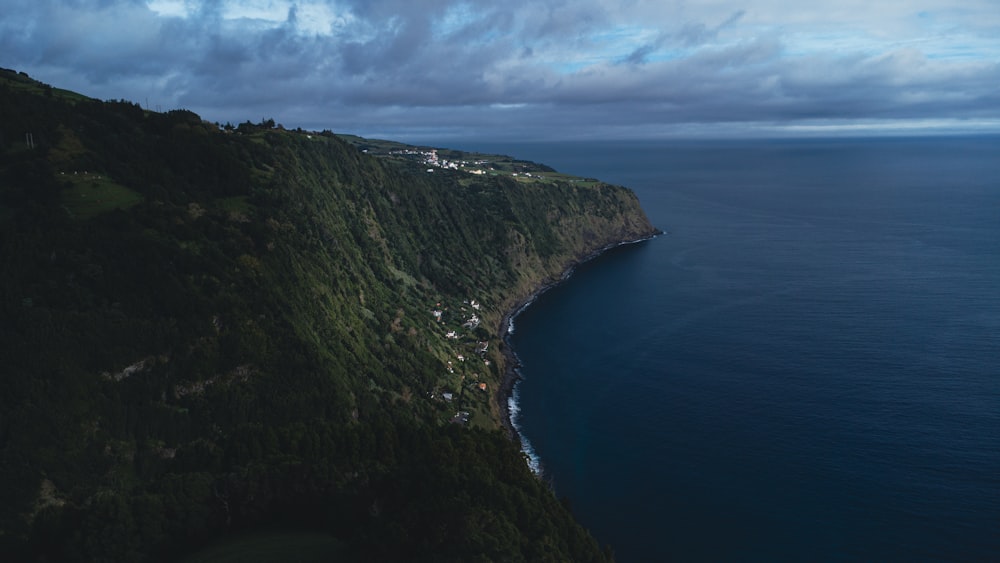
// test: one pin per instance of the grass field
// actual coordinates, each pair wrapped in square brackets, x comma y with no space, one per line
[273,546]
[90,195]
[497,165]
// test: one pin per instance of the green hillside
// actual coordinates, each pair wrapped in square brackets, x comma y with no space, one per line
[212,331]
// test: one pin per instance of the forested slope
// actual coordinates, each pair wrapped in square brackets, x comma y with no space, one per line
[205,331]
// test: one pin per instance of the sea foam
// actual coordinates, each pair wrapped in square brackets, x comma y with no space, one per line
[513,405]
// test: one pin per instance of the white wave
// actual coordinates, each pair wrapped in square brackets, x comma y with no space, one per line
[521,309]
[534,462]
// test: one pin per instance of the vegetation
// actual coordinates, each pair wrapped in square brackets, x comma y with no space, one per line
[213,330]
[475,163]
[274,547]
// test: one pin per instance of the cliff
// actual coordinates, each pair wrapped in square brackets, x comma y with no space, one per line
[215,329]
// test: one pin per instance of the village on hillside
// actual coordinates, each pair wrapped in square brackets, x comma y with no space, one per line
[473,163]
[463,385]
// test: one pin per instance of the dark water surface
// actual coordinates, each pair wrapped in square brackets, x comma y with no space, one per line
[804,368]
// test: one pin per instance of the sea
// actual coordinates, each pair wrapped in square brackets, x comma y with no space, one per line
[804,367]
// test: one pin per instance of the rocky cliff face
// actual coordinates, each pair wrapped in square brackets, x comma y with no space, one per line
[584,224]
[207,331]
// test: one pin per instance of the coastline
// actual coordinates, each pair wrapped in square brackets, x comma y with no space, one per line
[512,362]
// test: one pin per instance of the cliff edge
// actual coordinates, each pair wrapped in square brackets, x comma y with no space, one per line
[212,329]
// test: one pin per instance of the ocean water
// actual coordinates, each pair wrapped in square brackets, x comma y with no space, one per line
[805,367]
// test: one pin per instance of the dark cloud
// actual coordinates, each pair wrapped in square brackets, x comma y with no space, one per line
[515,68]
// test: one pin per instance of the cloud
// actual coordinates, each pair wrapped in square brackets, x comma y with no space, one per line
[518,67]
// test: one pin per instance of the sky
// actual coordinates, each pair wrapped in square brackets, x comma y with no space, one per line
[530,69]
